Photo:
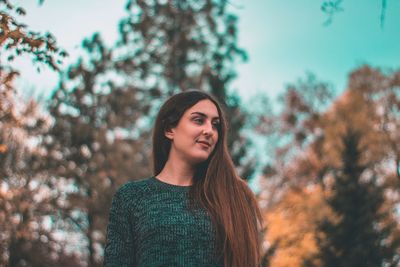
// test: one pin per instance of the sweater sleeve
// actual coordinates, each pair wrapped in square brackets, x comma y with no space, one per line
[119,250]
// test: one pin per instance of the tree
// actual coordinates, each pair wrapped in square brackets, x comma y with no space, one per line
[292,225]
[294,133]
[26,199]
[95,144]
[358,238]
[383,89]
[17,40]
[316,159]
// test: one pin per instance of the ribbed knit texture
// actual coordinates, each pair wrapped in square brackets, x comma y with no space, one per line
[150,225]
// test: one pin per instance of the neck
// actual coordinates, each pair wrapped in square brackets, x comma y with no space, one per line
[177,173]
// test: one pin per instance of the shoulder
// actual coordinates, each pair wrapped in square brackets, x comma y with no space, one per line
[132,191]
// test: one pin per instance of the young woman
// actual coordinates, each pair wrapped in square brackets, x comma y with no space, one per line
[195,210]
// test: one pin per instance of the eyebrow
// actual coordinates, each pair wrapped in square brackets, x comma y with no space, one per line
[203,115]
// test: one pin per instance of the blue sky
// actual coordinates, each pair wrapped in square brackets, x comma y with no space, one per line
[284,39]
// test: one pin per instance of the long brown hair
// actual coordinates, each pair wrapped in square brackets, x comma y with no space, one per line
[216,186]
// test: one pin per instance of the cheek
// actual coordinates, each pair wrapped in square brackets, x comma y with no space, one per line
[216,140]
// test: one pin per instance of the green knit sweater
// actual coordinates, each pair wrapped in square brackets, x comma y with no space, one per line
[150,225]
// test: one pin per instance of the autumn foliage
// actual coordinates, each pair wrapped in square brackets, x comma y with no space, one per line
[339,185]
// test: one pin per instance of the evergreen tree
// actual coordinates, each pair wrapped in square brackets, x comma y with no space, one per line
[358,236]
[313,154]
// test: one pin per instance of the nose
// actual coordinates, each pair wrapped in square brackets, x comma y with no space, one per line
[208,129]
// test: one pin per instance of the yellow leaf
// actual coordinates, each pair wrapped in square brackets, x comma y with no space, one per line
[3,148]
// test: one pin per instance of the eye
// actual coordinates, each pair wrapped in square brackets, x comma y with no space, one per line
[198,120]
[216,124]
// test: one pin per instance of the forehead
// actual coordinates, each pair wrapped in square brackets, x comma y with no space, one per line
[206,107]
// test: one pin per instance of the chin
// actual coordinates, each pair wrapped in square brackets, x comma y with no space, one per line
[200,158]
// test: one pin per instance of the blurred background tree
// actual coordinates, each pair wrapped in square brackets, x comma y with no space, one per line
[360,236]
[349,154]
[26,199]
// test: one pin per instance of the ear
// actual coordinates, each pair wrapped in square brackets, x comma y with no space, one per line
[169,133]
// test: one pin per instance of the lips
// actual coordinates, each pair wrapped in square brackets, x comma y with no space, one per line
[205,143]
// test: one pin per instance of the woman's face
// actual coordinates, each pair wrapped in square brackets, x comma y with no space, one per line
[195,136]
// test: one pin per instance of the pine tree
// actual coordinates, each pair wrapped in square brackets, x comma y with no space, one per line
[357,237]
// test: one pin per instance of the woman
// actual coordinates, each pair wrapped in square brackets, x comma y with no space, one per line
[195,211]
